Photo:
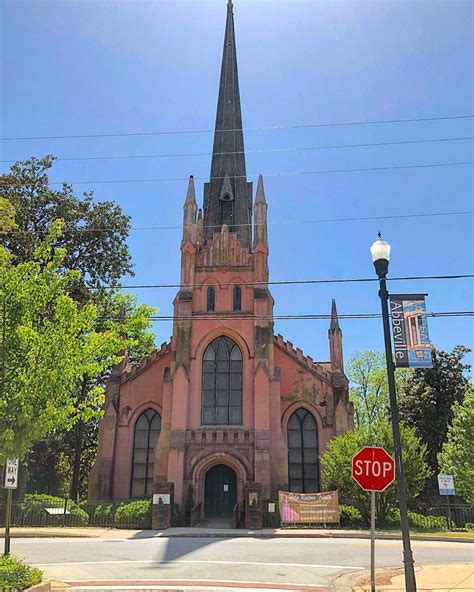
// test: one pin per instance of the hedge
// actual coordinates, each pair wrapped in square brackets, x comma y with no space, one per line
[32,511]
[350,516]
[136,514]
[417,521]
[16,575]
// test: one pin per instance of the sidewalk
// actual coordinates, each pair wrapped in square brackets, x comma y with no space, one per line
[182,532]
[429,578]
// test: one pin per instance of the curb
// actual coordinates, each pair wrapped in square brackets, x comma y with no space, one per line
[262,534]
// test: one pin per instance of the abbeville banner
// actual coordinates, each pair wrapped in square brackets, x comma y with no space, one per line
[410,331]
[309,507]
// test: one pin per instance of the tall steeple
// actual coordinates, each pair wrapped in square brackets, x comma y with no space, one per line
[228,195]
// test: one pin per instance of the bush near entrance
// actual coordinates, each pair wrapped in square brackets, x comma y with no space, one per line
[135,514]
[16,575]
[31,511]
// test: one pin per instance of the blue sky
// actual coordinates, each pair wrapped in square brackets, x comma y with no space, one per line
[120,67]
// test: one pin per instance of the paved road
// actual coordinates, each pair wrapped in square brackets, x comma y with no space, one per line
[300,561]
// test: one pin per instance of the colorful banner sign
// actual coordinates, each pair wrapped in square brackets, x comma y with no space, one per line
[446,484]
[309,507]
[410,331]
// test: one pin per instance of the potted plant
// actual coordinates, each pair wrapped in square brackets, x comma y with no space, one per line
[189,504]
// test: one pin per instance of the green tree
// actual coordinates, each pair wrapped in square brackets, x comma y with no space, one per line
[48,343]
[94,234]
[94,237]
[337,463]
[7,215]
[427,400]
[367,374]
[457,455]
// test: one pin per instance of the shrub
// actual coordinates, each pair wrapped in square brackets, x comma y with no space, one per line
[469,526]
[417,521]
[32,511]
[17,575]
[176,516]
[136,514]
[271,519]
[350,516]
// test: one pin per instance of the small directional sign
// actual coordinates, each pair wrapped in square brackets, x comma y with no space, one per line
[11,474]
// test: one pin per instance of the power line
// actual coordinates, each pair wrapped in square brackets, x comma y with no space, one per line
[291,282]
[250,129]
[300,317]
[276,174]
[263,150]
[271,222]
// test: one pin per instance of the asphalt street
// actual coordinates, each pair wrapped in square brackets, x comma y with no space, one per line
[276,560]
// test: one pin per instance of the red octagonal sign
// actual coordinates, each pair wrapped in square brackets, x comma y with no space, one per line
[373,468]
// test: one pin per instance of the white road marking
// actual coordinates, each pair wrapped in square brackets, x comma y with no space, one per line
[195,586]
[193,561]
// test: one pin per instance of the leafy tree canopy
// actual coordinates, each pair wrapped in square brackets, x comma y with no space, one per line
[7,215]
[367,374]
[428,398]
[48,344]
[94,235]
[457,455]
[337,464]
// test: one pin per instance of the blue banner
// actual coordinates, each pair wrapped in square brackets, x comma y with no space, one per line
[410,331]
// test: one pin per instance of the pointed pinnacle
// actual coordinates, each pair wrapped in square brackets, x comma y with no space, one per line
[260,195]
[334,317]
[191,193]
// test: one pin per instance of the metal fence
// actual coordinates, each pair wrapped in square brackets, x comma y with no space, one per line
[66,513]
[458,514]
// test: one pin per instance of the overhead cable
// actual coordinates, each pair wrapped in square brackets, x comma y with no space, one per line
[263,150]
[275,174]
[269,223]
[290,282]
[250,129]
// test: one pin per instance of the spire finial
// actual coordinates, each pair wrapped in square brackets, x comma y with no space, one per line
[260,195]
[334,318]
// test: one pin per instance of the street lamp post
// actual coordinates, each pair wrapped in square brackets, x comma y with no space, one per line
[380,251]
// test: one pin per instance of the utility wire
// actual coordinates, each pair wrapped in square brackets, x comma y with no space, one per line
[263,150]
[289,317]
[250,129]
[271,222]
[290,282]
[276,174]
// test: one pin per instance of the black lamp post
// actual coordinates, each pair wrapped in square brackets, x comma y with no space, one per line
[380,251]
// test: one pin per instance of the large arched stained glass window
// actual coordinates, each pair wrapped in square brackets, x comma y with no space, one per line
[147,430]
[303,464]
[222,383]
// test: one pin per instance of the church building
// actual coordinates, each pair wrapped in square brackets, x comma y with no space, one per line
[226,403]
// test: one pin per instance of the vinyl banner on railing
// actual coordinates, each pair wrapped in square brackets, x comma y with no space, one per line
[309,507]
[410,331]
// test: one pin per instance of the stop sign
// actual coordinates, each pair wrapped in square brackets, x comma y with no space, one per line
[373,468]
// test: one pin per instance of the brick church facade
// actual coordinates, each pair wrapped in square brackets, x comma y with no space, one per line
[225,403]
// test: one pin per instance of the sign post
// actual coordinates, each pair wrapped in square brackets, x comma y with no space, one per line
[373,469]
[10,482]
[446,487]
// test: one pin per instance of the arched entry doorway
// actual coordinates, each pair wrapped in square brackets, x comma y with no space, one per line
[220,492]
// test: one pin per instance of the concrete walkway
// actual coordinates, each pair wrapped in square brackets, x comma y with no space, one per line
[201,532]
[429,578]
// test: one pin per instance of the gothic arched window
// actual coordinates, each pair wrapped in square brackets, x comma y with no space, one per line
[222,383]
[211,298]
[227,211]
[303,463]
[147,430]
[237,298]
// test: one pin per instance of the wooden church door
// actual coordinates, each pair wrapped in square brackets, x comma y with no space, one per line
[220,492]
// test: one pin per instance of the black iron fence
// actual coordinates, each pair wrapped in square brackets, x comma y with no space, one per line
[458,514]
[129,515]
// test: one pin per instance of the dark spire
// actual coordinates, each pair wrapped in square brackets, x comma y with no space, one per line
[228,195]
[334,318]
